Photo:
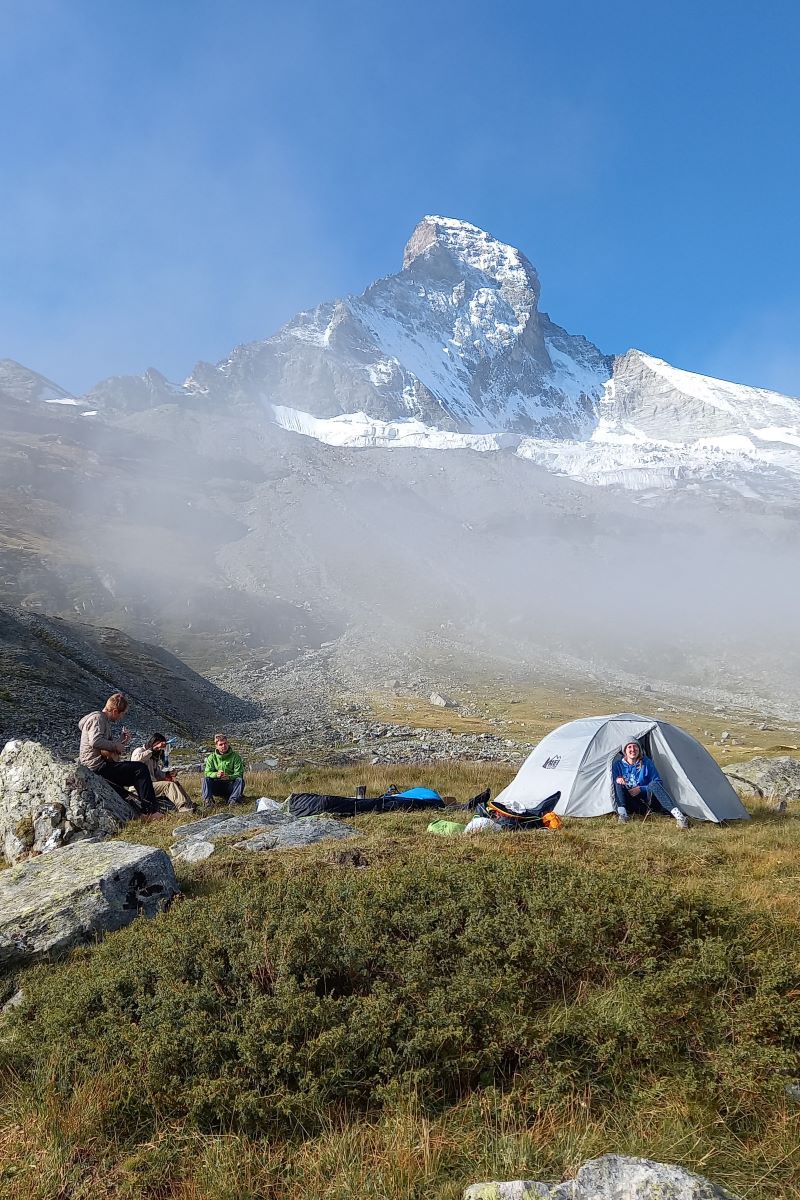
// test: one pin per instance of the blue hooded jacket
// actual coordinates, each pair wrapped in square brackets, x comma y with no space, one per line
[639,774]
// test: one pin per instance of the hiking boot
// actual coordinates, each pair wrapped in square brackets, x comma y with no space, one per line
[682,822]
[622,816]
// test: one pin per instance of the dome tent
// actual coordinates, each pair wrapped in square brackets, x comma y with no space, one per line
[576,760]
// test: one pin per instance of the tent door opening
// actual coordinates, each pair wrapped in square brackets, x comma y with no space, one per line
[639,806]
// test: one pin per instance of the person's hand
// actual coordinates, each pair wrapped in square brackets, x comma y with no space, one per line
[222,775]
[620,781]
[126,736]
[634,791]
[170,775]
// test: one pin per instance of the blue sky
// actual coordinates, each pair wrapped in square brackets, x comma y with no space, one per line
[180,177]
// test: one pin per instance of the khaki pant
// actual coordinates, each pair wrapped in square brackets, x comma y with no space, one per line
[173,792]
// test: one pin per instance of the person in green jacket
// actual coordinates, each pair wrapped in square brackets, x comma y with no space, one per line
[224,772]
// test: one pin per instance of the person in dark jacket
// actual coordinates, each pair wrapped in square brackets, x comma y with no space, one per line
[635,775]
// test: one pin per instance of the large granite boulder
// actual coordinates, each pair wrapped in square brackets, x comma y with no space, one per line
[57,900]
[268,829]
[773,779]
[47,802]
[611,1177]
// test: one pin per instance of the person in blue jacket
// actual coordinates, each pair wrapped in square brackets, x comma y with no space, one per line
[635,775]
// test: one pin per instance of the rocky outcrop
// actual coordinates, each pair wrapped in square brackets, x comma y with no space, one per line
[773,779]
[46,802]
[53,902]
[611,1177]
[52,671]
[272,829]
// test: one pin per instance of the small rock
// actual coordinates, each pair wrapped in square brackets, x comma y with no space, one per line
[221,825]
[612,1177]
[348,858]
[192,852]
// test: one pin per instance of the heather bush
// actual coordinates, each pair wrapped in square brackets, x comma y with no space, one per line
[282,1001]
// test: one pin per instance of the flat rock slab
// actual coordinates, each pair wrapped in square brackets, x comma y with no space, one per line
[197,840]
[303,832]
[47,802]
[226,824]
[612,1177]
[55,901]
[776,779]
[273,830]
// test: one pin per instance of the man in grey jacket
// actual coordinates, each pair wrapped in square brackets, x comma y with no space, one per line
[101,752]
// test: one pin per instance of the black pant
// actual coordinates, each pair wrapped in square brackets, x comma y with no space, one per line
[132,774]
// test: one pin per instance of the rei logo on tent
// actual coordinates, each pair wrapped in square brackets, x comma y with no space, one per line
[552,762]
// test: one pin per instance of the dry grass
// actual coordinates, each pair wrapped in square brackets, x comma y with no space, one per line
[530,713]
[757,861]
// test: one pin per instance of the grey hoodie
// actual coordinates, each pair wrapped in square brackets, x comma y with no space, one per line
[96,735]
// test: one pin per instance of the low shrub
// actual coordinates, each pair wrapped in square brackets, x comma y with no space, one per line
[280,1001]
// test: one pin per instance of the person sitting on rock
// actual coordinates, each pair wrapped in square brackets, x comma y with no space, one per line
[223,774]
[101,752]
[165,784]
[635,775]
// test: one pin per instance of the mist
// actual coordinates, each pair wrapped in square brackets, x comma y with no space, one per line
[222,537]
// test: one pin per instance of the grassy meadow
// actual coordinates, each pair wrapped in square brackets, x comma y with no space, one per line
[396,1024]
[528,713]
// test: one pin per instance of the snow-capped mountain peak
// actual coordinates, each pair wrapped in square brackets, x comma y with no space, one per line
[454,340]
[666,401]
[472,247]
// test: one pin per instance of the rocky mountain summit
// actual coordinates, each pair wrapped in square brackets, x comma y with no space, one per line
[453,352]
[454,340]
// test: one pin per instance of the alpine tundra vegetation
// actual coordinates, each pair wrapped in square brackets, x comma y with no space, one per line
[401,1021]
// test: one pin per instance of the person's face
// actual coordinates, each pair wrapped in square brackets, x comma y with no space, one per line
[221,745]
[632,752]
[116,714]
[159,745]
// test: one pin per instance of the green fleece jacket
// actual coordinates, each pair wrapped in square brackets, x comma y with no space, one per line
[230,763]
